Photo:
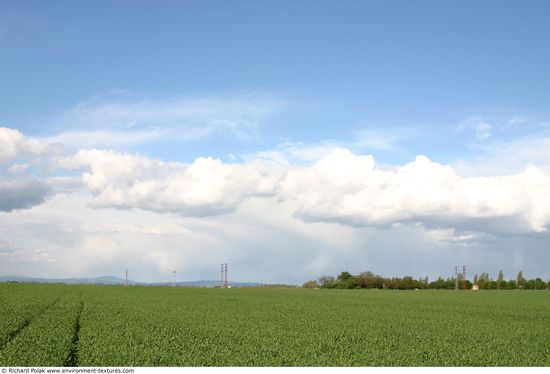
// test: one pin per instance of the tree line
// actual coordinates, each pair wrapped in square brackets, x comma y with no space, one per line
[368,279]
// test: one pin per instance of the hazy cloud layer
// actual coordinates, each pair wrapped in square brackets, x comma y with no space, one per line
[260,240]
[123,119]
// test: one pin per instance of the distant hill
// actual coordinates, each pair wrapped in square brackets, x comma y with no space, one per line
[109,279]
[112,280]
[209,283]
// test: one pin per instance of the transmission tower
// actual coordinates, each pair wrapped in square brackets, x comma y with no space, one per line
[126,280]
[456,278]
[223,279]
[225,284]
[174,278]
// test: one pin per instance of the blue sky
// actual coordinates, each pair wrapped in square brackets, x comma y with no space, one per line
[465,83]
[340,67]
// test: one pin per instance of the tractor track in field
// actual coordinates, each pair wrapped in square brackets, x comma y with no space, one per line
[27,321]
[72,358]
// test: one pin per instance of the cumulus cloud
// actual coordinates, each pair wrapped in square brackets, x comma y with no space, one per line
[205,187]
[18,188]
[22,193]
[340,187]
[350,189]
[14,145]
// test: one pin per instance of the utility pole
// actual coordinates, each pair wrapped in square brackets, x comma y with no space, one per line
[456,278]
[225,284]
[223,279]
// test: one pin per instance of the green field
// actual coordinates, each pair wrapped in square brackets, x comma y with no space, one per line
[56,325]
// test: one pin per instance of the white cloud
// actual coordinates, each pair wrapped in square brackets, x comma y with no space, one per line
[206,186]
[351,190]
[450,235]
[324,184]
[18,188]
[14,145]
[341,187]
[260,238]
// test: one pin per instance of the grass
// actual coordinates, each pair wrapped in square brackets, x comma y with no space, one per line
[163,326]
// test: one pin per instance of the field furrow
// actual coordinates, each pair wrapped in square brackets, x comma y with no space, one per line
[47,340]
[19,308]
[72,357]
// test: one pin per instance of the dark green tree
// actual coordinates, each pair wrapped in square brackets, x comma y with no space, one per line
[500,280]
[345,275]
[539,284]
[346,280]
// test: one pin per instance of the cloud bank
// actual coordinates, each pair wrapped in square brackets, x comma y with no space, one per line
[339,187]
[289,214]
[349,189]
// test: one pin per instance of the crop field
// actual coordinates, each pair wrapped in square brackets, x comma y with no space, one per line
[59,325]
